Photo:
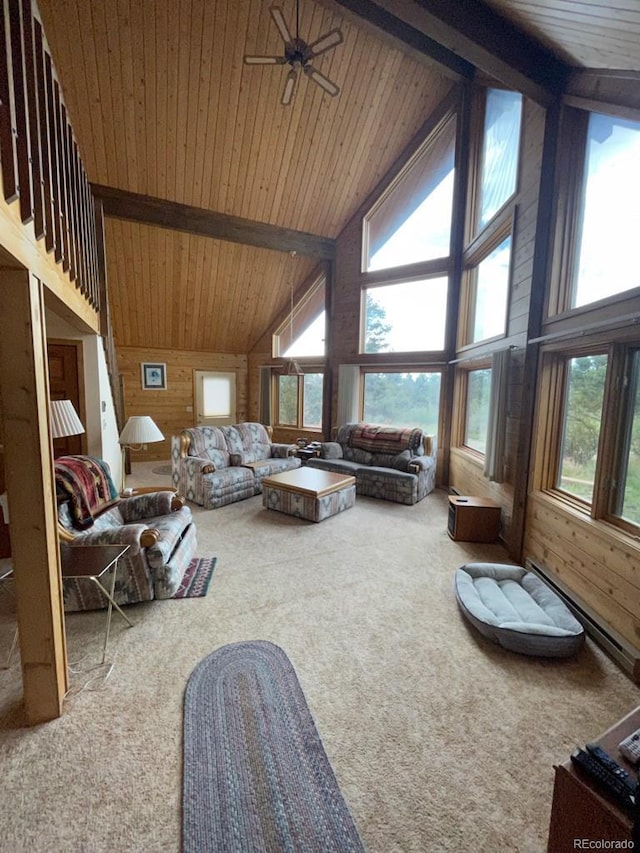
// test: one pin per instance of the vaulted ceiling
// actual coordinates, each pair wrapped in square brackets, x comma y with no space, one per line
[163,107]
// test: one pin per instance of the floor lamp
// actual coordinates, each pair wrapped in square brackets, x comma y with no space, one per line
[138,431]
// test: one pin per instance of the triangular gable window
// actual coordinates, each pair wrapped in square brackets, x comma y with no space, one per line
[302,333]
[412,221]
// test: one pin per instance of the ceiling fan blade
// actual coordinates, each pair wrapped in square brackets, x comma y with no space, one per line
[289,87]
[264,60]
[322,81]
[325,43]
[279,21]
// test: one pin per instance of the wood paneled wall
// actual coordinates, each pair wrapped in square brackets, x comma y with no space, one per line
[173,409]
[592,560]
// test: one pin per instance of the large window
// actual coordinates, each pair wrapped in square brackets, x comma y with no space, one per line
[581,420]
[501,144]
[412,220]
[588,447]
[484,303]
[607,255]
[489,294]
[407,316]
[476,421]
[299,400]
[626,497]
[302,333]
[590,432]
[403,399]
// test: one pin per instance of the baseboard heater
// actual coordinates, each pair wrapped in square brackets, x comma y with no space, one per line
[624,654]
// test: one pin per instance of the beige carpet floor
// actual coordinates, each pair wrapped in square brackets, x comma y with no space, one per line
[440,740]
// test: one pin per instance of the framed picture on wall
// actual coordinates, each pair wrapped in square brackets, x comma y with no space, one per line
[154,376]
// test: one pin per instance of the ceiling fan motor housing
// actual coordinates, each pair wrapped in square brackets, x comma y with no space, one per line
[297,51]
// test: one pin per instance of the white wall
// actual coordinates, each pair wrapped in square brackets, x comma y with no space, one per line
[101,427]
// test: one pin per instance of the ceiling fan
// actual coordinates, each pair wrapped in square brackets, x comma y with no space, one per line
[298,54]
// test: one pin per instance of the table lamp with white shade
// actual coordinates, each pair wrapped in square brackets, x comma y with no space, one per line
[138,431]
[64,419]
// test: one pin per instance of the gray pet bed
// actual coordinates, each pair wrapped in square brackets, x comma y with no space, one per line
[516,609]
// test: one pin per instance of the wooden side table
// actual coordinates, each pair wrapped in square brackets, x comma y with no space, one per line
[91,562]
[473,519]
[306,453]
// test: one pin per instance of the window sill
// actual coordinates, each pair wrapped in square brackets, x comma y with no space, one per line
[469,453]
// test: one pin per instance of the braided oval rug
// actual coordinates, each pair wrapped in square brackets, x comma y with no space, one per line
[256,776]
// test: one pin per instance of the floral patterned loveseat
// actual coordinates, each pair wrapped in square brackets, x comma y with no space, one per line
[215,466]
[156,525]
[391,463]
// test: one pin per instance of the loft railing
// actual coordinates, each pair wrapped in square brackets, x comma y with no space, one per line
[41,166]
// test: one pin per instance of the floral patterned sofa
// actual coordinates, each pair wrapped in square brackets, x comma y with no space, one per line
[215,466]
[156,525]
[388,462]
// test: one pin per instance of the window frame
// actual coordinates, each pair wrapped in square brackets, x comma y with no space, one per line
[501,227]
[475,229]
[570,171]
[620,390]
[461,397]
[390,281]
[306,308]
[431,139]
[406,368]
[479,242]
[549,428]
[299,425]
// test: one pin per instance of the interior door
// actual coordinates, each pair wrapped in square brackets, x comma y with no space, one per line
[64,384]
[215,394]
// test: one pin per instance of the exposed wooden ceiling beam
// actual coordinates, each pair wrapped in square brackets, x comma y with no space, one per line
[120,204]
[612,91]
[472,32]
[389,23]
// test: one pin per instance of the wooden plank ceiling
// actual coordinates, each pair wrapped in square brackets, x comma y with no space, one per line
[163,105]
[583,33]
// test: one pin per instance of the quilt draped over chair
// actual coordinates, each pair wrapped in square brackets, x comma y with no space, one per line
[156,525]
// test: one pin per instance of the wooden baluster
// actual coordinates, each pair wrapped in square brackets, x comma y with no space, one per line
[54,147]
[7,120]
[64,187]
[22,129]
[43,136]
[33,136]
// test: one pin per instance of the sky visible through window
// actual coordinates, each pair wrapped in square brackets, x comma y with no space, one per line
[310,342]
[607,259]
[414,314]
[417,314]
[424,234]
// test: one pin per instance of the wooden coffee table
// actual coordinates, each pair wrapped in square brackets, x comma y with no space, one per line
[309,493]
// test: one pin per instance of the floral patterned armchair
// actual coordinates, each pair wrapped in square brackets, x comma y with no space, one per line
[156,525]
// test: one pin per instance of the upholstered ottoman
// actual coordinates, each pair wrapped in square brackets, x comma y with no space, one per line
[309,493]
[516,609]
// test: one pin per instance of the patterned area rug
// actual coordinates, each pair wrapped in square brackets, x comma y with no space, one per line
[197,577]
[162,469]
[256,776]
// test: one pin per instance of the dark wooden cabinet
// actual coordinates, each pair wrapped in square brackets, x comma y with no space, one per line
[581,811]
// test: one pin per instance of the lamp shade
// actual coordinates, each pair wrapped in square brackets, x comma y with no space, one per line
[64,419]
[140,429]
